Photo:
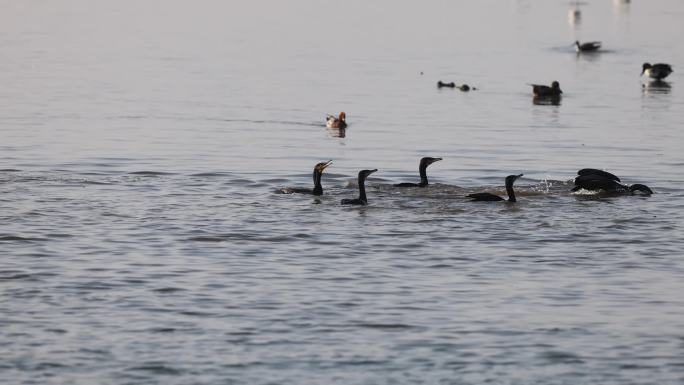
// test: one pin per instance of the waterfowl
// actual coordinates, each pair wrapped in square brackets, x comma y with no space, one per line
[441,84]
[546,91]
[587,46]
[422,170]
[657,71]
[592,179]
[340,122]
[487,197]
[361,200]
[318,188]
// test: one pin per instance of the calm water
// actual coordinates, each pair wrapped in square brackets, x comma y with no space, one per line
[143,240]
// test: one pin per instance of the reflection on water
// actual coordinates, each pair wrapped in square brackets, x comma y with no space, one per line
[655,87]
[337,132]
[546,100]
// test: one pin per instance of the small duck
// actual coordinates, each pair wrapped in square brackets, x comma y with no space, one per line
[340,122]
[545,91]
[657,71]
[441,84]
[589,46]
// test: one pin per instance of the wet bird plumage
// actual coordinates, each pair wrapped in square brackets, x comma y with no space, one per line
[361,200]
[422,170]
[488,197]
[592,179]
[317,174]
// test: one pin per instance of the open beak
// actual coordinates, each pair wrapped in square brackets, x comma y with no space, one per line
[518,176]
[326,164]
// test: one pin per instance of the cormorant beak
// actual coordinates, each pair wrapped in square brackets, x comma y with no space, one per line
[326,164]
[518,176]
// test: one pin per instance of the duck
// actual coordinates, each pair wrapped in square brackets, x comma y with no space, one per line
[441,84]
[546,91]
[656,71]
[588,46]
[340,122]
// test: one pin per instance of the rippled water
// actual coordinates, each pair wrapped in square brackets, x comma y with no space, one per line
[144,240]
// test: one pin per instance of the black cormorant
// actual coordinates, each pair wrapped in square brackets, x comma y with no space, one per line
[361,200]
[594,180]
[441,84]
[657,71]
[340,122]
[542,90]
[487,197]
[587,46]
[318,189]
[422,167]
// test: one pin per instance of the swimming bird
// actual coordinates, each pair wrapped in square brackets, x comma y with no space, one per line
[587,46]
[545,91]
[340,122]
[318,188]
[422,167]
[361,200]
[487,197]
[598,180]
[441,84]
[657,71]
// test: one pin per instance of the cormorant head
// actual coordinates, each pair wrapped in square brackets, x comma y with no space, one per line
[426,161]
[645,67]
[343,116]
[363,174]
[577,43]
[640,188]
[511,178]
[322,166]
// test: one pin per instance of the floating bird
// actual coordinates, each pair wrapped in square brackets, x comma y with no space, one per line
[318,189]
[422,168]
[589,46]
[545,91]
[340,122]
[657,71]
[361,200]
[441,84]
[487,197]
[465,88]
[598,180]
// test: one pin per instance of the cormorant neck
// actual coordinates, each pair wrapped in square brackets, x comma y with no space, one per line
[362,189]
[509,190]
[318,189]
[423,175]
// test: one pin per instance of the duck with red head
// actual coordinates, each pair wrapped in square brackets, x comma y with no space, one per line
[340,122]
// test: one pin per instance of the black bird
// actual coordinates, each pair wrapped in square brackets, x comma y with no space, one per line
[424,163]
[587,46]
[441,84]
[361,200]
[318,189]
[594,180]
[487,197]
[657,71]
[542,90]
